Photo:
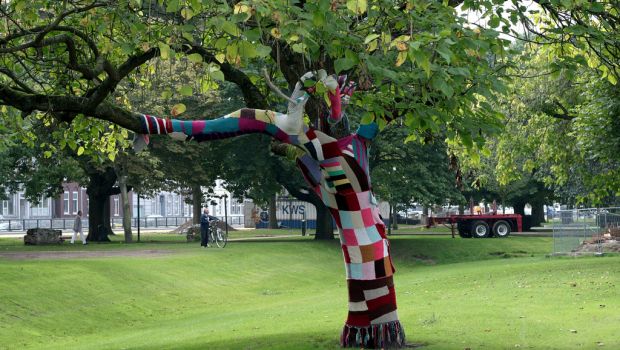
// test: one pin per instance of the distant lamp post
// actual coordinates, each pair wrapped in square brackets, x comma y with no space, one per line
[225,214]
[138,194]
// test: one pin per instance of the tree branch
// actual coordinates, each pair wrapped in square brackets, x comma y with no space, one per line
[13,77]
[69,106]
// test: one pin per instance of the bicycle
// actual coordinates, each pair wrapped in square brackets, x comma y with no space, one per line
[217,235]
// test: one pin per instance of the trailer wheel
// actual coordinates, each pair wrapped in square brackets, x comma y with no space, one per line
[501,228]
[480,229]
[463,230]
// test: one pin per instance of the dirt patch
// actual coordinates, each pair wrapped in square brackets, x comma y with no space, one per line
[606,245]
[427,260]
[83,254]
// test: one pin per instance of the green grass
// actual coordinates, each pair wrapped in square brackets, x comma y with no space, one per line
[290,293]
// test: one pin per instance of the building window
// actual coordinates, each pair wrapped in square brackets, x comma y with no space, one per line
[65,203]
[76,205]
[116,206]
[8,207]
[175,203]
[41,209]
[235,207]
[169,205]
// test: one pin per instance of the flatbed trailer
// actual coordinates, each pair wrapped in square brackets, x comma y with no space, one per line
[480,226]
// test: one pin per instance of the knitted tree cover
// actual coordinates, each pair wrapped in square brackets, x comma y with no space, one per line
[337,170]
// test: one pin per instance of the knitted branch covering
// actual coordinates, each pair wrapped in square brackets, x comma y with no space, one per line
[337,170]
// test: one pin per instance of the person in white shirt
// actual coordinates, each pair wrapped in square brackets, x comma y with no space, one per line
[77,227]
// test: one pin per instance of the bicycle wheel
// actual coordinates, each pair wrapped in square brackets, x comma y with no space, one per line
[220,238]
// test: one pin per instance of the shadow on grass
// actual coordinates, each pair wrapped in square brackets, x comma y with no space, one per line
[287,341]
[433,250]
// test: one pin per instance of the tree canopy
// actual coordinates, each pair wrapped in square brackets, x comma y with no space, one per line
[423,61]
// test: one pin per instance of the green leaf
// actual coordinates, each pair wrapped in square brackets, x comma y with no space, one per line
[318,18]
[400,59]
[231,28]
[217,75]
[172,6]
[166,94]
[262,50]
[80,151]
[187,13]
[188,36]
[164,51]
[186,90]
[195,57]
[299,47]
[178,109]
[221,43]
[440,84]
[422,60]
[370,37]
[247,49]
[357,6]
[367,118]
[444,52]
[344,63]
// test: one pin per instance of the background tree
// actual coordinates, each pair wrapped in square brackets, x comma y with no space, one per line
[416,172]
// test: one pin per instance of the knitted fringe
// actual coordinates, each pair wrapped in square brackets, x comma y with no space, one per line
[379,336]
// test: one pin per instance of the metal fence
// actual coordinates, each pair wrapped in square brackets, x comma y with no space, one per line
[582,230]
[66,224]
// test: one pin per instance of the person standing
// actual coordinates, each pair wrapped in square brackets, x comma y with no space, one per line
[204,228]
[77,227]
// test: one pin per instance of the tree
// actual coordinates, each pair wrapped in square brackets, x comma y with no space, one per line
[562,130]
[413,172]
[418,60]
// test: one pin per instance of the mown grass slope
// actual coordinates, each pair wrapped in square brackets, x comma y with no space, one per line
[290,293]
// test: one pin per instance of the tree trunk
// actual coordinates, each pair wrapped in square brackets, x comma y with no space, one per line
[324,223]
[99,189]
[395,222]
[273,220]
[324,219]
[96,218]
[389,219]
[538,214]
[122,183]
[107,222]
[196,204]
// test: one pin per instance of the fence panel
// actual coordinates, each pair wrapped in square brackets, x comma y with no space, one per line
[67,224]
[583,230]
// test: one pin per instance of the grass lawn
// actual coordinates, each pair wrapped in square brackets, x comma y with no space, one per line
[290,293]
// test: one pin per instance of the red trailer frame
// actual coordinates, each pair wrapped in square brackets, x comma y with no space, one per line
[481,225]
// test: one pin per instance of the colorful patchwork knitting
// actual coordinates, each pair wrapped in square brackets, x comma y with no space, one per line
[338,171]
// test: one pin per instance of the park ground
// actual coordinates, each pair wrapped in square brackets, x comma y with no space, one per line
[290,293]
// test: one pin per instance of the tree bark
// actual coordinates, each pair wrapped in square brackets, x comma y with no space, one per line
[122,183]
[389,232]
[324,223]
[538,214]
[196,204]
[99,189]
[273,220]
[394,218]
